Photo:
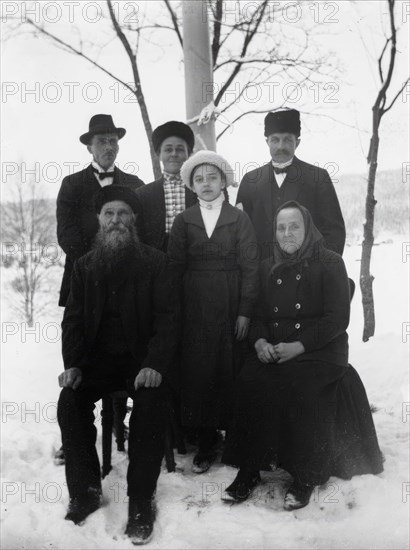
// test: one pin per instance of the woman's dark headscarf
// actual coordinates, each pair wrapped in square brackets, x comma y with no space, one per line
[313,238]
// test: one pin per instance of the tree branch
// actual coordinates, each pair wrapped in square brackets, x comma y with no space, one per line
[78,52]
[330,117]
[379,61]
[138,90]
[247,40]
[174,21]
[254,111]
[396,96]
[217,31]
[381,97]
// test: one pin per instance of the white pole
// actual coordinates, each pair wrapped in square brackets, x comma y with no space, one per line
[198,70]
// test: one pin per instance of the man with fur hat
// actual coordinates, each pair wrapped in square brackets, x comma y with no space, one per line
[162,200]
[119,332]
[263,190]
[76,221]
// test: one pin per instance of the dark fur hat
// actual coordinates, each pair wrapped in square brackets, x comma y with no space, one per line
[285,121]
[173,128]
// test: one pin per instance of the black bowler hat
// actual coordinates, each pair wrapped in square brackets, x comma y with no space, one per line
[173,128]
[285,121]
[101,124]
[111,193]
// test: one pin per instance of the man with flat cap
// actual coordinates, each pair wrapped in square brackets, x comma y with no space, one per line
[162,200]
[119,331]
[285,177]
[76,220]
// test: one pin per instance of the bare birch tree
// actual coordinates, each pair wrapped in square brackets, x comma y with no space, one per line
[30,248]
[379,109]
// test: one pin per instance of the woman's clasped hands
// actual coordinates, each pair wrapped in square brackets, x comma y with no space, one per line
[278,353]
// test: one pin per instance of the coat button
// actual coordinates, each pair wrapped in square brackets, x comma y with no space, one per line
[297,325]
[276,325]
[275,309]
[279,281]
[298,277]
[297,306]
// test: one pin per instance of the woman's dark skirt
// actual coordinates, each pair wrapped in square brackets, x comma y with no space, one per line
[310,418]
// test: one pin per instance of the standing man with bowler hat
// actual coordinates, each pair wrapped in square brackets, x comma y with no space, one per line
[263,190]
[162,200]
[77,222]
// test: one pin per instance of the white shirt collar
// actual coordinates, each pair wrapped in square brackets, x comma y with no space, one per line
[211,205]
[282,164]
[102,170]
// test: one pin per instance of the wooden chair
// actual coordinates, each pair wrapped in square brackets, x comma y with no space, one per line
[352,288]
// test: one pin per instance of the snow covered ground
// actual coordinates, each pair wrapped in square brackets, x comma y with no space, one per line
[366,512]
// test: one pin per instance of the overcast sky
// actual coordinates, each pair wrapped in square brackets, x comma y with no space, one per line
[41,129]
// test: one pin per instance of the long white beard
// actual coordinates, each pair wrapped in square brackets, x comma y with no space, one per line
[115,247]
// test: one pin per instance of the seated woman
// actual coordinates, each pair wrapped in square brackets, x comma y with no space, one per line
[214,245]
[299,405]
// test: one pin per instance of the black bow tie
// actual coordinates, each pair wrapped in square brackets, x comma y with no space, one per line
[103,175]
[280,170]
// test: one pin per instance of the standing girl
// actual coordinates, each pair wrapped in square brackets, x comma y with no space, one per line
[214,246]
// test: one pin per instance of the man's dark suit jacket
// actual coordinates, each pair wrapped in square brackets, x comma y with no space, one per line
[310,185]
[151,213]
[77,222]
[150,313]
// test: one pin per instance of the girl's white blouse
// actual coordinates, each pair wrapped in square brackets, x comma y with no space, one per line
[210,212]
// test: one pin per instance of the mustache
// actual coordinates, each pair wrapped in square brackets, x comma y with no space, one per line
[120,228]
[116,235]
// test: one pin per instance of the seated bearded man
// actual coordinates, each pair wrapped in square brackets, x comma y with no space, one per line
[119,332]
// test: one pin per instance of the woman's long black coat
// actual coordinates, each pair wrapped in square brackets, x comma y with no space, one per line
[219,278]
[307,301]
[309,415]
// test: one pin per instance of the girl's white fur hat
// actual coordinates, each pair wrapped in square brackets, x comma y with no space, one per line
[207,157]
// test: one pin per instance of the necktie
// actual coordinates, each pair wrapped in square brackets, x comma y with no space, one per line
[280,170]
[103,175]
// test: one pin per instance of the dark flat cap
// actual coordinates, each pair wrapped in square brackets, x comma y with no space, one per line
[280,122]
[173,128]
[111,193]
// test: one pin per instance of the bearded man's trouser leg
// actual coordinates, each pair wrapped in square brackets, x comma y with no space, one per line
[78,432]
[146,441]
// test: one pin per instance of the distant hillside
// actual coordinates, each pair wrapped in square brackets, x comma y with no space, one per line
[392,208]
